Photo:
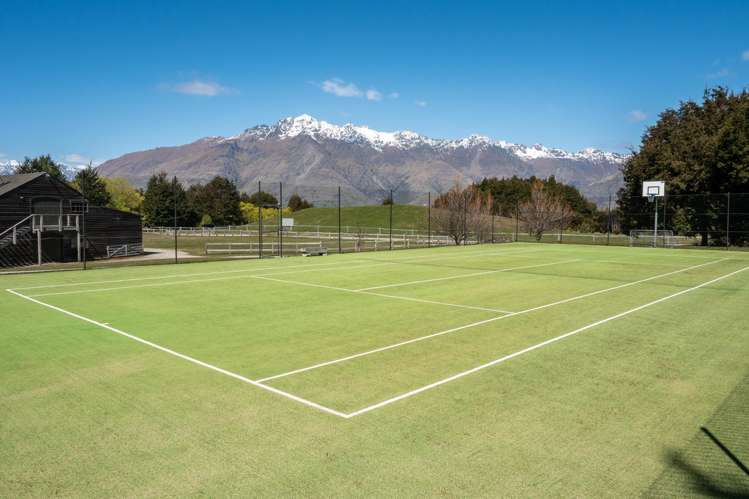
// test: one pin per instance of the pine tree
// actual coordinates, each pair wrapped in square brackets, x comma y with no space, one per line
[92,186]
[41,164]
[159,201]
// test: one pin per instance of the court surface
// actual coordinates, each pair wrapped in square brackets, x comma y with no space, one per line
[508,369]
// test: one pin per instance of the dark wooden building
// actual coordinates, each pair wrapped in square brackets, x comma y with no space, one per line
[42,219]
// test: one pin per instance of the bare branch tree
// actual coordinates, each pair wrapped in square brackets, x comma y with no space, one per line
[544,211]
[460,212]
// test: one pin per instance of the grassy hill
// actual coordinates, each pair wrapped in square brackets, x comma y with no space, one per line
[404,216]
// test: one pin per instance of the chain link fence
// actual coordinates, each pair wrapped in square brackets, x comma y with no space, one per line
[349,221]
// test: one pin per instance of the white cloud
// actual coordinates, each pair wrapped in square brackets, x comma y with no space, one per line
[421,103]
[78,160]
[340,88]
[201,88]
[637,116]
[723,72]
[373,94]
[394,95]
[745,55]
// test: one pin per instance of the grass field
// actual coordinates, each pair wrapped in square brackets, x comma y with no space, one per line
[494,370]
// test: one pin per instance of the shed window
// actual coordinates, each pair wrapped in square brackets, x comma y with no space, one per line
[78,206]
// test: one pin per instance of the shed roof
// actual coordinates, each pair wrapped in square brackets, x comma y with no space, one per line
[10,183]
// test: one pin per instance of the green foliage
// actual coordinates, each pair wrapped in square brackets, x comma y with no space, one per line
[123,196]
[92,186]
[387,201]
[698,148]
[250,213]
[219,199]
[296,203]
[41,164]
[262,198]
[206,221]
[159,203]
[508,193]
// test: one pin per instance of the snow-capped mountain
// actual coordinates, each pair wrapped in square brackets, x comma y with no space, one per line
[314,157]
[8,167]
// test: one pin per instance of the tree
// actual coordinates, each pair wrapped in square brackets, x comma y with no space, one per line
[388,200]
[122,195]
[159,201]
[92,186]
[262,198]
[41,164]
[459,212]
[219,199]
[544,210]
[296,203]
[701,151]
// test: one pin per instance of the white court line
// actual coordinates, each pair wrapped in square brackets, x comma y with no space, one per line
[537,346]
[474,274]
[338,266]
[170,276]
[282,267]
[407,298]
[479,323]
[184,357]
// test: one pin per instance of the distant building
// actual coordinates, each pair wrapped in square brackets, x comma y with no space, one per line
[43,220]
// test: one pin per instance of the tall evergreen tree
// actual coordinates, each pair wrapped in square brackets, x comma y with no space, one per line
[701,150]
[159,201]
[218,199]
[92,186]
[41,164]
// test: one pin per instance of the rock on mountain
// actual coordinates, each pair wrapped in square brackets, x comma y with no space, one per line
[313,158]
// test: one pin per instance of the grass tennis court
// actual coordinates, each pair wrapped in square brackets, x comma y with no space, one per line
[508,369]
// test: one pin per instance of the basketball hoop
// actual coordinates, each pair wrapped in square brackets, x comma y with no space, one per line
[651,198]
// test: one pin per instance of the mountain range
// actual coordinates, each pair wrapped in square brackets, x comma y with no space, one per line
[313,157]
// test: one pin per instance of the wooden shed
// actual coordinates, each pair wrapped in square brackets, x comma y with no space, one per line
[42,220]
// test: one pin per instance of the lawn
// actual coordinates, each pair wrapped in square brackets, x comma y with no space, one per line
[493,370]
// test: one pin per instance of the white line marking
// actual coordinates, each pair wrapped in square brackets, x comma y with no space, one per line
[192,281]
[479,323]
[170,276]
[283,267]
[184,357]
[537,346]
[474,274]
[396,297]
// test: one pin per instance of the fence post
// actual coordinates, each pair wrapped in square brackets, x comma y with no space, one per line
[174,194]
[280,219]
[608,223]
[429,219]
[339,219]
[517,215]
[391,219]
[728,221]
[492,228]
[259,222]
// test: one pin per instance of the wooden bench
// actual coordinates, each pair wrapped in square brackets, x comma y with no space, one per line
[319,251]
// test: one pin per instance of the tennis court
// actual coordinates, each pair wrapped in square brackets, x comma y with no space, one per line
[501,356]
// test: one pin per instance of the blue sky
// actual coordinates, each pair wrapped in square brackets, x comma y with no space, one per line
[94,80]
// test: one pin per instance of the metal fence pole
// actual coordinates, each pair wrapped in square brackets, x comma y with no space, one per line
[83,223]
[517,217]
[280,219]
[492,228]
[174,194]
[728,220]
[259,222]
[608,223]
[391,219]
[429,219]
[339,219]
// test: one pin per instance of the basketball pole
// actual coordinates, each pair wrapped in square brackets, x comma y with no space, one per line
[655,224]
